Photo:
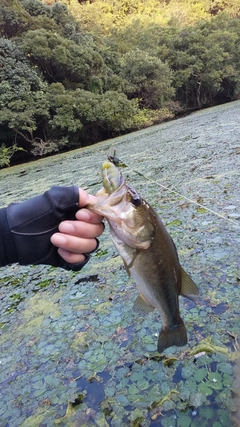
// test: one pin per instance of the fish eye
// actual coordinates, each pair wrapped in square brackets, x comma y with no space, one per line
[136,202]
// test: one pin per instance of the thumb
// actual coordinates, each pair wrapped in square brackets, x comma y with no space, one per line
[85,198]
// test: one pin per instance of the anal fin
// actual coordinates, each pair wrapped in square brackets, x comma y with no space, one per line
[189,289]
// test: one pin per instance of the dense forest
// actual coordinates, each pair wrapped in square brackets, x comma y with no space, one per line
[76,72]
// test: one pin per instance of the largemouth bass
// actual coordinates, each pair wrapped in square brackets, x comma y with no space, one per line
[148,253]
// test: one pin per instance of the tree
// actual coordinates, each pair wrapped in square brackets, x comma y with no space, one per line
[13,19]
[36,8]
[23,102]
[62,60]
[202,57]
[83,116]
[147,78]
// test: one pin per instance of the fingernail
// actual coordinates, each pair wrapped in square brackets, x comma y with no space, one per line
[66,227]
[83,215]
[58,240]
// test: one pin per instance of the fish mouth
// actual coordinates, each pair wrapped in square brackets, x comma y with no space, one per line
[121,205]
[114,200]
[112,197]
[116,187]
[120,213]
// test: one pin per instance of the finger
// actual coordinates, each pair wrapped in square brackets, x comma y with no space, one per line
[74,244]
[88,216]
[81,229]
[71,257]
[85,198]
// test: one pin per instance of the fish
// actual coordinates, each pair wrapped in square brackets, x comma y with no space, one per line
[148,253]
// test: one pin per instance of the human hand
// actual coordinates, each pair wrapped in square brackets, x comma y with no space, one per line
[76,238]
[43,225]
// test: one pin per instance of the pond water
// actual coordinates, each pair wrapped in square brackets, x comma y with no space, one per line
[72,351]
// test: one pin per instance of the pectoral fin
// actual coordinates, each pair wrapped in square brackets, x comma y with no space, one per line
[128,266]
[188,288]
[142,306]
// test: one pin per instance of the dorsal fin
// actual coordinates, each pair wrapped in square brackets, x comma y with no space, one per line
[189,289]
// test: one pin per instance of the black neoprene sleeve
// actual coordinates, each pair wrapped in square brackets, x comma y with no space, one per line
[26,228]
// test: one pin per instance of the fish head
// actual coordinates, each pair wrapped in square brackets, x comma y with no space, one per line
[126,212]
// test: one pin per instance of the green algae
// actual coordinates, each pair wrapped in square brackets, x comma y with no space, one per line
[39,306]
[206,345]
[37,419]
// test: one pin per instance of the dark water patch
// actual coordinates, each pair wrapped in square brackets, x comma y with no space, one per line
[127,335]
[93,184]
[87,279]
[177,377]
[222,307]
[92,387]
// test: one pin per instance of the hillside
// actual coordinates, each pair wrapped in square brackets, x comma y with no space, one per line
[75,73]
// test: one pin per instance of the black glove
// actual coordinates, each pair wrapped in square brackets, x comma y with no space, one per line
[26,228]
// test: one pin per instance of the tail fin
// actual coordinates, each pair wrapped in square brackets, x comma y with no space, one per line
[172,336]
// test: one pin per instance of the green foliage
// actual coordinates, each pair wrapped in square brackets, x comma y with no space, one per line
[22,98]
[13,19]
[20,109]
[110,67]
[36,8]
[6,154]
[204,59]
[62,60]
[15,67]
[78,112]
[147,78]
[106,16]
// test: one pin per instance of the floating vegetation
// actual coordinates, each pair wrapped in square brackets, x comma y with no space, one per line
[176,222]
[207,346]
[201,210]
[73,352]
